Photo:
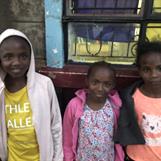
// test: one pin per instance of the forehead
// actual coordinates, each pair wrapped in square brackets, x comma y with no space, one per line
[101,72]
[153,58]
[14,42]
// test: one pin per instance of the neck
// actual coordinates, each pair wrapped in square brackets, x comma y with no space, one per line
[154,92]
[95,104]
[14,84]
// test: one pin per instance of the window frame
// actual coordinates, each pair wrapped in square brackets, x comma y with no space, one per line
[145,17]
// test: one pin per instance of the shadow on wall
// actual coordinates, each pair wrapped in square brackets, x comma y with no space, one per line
[6,15]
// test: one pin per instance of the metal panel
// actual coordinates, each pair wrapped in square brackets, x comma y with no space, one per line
[54,33]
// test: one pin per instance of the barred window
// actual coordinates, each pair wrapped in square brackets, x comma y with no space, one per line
[109,29]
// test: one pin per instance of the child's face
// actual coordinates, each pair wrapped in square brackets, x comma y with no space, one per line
[150,69]
[15,57]
[100,82]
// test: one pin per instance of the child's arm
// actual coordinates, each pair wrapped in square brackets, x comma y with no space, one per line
[68,124]
[56,126]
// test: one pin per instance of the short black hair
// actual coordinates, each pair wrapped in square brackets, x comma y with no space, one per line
[99,64]
[147,48]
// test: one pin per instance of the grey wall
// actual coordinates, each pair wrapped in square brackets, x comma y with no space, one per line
[27,16]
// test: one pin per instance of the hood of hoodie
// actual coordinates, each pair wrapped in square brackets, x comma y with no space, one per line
[31,71]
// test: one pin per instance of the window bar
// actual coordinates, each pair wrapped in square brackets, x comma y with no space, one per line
[112,49]
[142,35]
[75,46]
[95,4]
[128,47]
[116,2]
[75,6]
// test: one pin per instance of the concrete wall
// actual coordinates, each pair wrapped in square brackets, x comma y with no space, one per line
[27,16]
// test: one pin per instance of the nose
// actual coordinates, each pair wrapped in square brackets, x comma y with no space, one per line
[16,61]
[154,73]
[100,87]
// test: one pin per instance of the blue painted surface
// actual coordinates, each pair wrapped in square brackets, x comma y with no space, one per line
[54,33]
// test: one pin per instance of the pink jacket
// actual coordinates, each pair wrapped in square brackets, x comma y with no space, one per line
[72,115]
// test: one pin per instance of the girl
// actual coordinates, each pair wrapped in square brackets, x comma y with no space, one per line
[90,119]
[140,119]
[30,120]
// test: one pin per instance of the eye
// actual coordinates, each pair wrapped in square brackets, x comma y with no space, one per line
[108,84]
[24,56]
[7,57]
[145,69]
[159,68]
[94,82]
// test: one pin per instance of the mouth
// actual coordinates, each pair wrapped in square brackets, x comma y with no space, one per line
[100,95]
[155,82]
[16,70]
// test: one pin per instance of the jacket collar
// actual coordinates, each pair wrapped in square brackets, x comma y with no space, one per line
[113,96]
[131,89]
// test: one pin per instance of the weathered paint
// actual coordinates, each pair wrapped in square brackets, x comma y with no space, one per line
[73,76]
[54,33]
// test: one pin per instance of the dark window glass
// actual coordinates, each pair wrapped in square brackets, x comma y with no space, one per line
[105,6]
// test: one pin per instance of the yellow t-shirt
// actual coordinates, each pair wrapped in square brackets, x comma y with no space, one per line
[22,143]
[148,111]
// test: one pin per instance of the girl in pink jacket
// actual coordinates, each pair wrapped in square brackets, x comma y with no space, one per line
[90,119]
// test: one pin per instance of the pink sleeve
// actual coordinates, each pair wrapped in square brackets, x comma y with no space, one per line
[115,98]
[67,133]
[119,153]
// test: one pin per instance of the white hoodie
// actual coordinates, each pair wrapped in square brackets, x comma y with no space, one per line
[45,109]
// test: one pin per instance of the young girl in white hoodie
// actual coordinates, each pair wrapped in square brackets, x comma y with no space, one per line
[30,125]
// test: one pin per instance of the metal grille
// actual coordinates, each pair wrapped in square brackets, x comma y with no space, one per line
[110,29]
[114,41]
[105,6]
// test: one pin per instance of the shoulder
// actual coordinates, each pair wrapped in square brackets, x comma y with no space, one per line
[130,90]
[79,99]
[44,84]
[75,105]
[74,102]
[42,78]
[43,81]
